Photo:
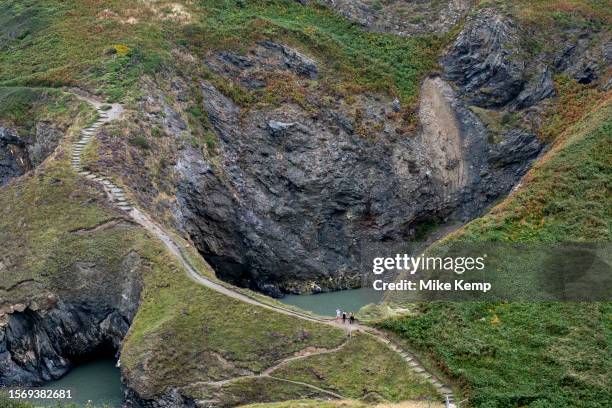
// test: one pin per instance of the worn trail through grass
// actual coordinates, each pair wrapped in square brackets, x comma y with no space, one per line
[108,113]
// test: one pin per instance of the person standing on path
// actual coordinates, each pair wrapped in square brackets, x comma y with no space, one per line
[343,317]
[338,313]
[351,318]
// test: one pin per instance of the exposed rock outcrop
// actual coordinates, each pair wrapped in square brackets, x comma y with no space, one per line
[19,154]
[295,193]
[484,61]
[40,341]
[265,58]
[402,17]
[173,398]
[493,68]
[13,156]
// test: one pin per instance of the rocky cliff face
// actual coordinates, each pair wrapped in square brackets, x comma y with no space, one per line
[291,191]
[297,191]
[19,154]
[491,64]
[402,17]
[43,334]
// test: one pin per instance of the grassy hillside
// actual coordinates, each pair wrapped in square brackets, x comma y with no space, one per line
[350,371]
[183,333]
[533,354]
[537,354]
[107,45]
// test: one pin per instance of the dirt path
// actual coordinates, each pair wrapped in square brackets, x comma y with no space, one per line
[117,196]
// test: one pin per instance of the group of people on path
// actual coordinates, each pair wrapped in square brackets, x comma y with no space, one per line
[344,316]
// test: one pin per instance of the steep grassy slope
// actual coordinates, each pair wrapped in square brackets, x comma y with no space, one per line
[106,46]
[538,354]
[532,354]
[350,370]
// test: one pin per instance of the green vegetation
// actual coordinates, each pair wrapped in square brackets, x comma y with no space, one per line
[190,333]
[71,43]
[256,389]
[533,354]
[357,59]
[518,354]
[356,371]
[38,244]
[504,355]
[6,402]
[109,46]
[345,404]
[139,141]
[22,107]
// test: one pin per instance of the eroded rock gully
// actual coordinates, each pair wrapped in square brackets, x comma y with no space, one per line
[295,193]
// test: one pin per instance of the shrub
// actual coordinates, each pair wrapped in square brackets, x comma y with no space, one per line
[139,141]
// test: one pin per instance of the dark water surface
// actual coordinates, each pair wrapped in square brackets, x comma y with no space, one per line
[325,304]
[96,381]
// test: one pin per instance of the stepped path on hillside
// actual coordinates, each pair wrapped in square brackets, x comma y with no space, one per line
[116,194]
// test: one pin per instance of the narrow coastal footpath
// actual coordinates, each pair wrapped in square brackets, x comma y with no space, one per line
[107,113]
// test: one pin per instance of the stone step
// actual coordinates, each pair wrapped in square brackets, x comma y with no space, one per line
[419,369]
